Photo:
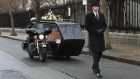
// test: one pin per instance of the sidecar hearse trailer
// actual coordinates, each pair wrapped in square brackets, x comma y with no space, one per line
[65,40]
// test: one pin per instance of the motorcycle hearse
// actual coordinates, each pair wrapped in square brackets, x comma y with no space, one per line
[56,39]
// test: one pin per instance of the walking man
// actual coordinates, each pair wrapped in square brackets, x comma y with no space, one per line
[95,24]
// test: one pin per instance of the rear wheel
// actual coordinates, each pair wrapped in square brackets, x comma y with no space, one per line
[31,56]
[67,57]
[24,45]
[42,55]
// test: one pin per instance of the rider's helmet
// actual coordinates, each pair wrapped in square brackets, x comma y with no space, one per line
[33,20]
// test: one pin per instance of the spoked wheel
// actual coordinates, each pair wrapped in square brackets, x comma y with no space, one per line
[30,51]
[42,54]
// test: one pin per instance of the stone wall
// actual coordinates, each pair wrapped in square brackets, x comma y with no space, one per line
[125,38]
[119,38]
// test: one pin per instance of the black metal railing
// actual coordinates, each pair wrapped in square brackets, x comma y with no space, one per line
[21,19]
[125,15]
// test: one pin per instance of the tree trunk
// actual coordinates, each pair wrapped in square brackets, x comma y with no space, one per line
[37,2]
[13,33]
[105,11]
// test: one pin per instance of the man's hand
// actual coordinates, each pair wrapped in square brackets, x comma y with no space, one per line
[99,31]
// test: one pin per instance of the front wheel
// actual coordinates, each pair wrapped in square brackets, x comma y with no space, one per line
[31,50]
[42,54]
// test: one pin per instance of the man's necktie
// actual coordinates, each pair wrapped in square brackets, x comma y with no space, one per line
[97,16]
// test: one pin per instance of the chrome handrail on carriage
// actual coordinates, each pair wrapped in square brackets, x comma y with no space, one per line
[61,20]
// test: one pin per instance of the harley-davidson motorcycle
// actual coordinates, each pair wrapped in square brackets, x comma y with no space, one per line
[36,43]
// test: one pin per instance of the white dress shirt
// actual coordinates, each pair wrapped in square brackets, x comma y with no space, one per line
[96,14]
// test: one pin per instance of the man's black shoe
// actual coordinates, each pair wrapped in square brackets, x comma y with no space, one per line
[98,75]
[94,71]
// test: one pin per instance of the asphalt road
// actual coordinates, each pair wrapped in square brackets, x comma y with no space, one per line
[78,67]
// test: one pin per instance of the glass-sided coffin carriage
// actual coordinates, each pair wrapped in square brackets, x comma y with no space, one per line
[66,38]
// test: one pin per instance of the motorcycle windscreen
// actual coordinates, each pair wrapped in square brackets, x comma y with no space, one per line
[71,31]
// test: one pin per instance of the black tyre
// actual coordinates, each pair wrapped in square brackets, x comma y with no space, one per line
[31,56]
[24,45]
[67,57]
[42,55]
[31,50]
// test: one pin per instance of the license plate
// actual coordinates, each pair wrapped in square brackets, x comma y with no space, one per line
[43,45]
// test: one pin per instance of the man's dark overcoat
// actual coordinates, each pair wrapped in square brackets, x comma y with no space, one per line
[96,30]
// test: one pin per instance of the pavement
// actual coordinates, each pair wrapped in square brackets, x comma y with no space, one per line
[119,52]
[12,68]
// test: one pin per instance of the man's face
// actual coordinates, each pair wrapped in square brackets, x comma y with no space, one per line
[34,22]
[96,8]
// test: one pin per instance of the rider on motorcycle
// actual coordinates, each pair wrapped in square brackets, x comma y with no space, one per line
[32,25]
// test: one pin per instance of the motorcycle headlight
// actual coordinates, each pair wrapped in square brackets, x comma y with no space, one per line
[58,41]
[41,37]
